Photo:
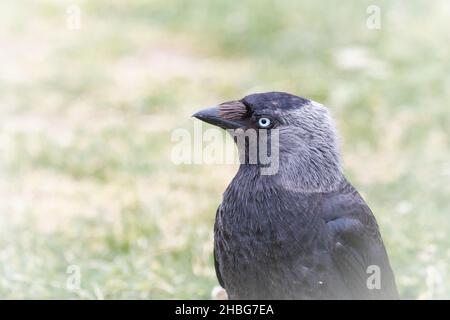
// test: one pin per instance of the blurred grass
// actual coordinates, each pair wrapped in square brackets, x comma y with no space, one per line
[86,118]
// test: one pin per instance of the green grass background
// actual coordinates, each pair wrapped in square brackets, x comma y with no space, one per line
[86,118]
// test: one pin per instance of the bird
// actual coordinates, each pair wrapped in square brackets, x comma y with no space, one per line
[302,232]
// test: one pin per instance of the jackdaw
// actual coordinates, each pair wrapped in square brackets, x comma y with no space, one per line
[303,232]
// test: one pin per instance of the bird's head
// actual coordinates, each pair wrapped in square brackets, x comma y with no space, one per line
[307,141]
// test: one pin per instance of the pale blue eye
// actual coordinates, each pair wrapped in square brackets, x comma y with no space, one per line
[264,122]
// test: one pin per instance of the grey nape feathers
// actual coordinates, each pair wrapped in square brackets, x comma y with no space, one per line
[304,232]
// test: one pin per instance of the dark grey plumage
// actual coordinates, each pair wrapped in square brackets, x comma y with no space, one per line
[305,232]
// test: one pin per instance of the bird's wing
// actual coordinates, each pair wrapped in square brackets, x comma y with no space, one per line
[216,262]
[357,248]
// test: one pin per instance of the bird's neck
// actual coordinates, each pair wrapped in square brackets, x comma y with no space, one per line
[308,170]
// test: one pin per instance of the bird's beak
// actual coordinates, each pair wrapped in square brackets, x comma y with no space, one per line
[212,116]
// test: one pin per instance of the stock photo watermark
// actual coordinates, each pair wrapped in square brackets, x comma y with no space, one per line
[373,21]
[374,279]
[73,281]
[73,17]
[255,147]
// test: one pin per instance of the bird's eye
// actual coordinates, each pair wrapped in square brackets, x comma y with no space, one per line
[264,122]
